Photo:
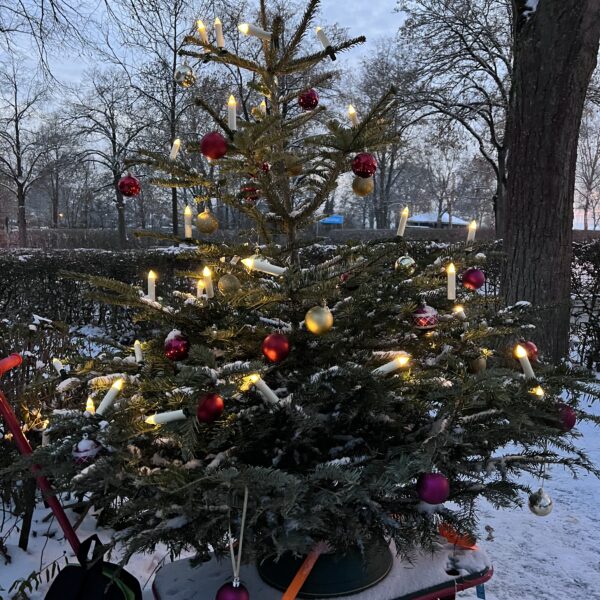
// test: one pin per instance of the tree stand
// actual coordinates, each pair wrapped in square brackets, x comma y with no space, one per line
[425,577]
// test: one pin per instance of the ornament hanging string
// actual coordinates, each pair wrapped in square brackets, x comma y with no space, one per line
[236,564]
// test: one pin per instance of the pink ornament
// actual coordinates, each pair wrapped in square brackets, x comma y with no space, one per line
[129,185]
[433,488]
[210,408]
[568,417]
[177,346]
[364,165]
[473,279]
[425,317]
[230,591]
[213,145]
[308,99]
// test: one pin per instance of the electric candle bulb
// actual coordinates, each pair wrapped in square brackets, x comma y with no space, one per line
[89,406]
[208,284]
[256,380]
[471,229]
[201,27]
[521,354]
[111,396]
[199,288]
[232,113]
[137,350]
[538,391]
[175,149]
[352,115]
[152,285]
[403,221]
[451,271]
[166,417]
[219,33]
[262,107]
[459,311]
[399,362]
[248,29]
[60,369]
[323,38]
[254,263]
[187,222]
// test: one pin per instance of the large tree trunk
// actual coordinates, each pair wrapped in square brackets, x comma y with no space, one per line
[21,216]
[500,195]
[555,55]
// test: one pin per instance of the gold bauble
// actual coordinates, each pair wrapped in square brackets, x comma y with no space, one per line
[229,284]
[406,263]
[363,186]
[319,320]
[477,365]
[207,222]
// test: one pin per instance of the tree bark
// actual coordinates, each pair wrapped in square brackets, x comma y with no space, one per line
[555,54]
[21,216]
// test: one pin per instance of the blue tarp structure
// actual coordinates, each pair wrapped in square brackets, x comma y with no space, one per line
[333,220]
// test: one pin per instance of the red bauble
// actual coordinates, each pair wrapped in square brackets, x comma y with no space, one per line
[230,591]
[250,193]
[433,488]
[531,349]
[425,317]
[473,279]
[213,145]
[129,185]
[177,346]
[568,417]
[210,408]
[364,165]
[308,99]
[265,167]
[276,347]
[86,450]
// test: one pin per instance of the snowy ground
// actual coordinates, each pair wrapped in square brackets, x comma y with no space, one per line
[534,558]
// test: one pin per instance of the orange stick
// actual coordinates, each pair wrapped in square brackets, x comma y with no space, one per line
[304,571]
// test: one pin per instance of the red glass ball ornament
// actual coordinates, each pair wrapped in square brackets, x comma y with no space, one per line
[265,167]
[213,145]
[210,408]
[177,346]
[473,279]
[568,417]
[425,317]
[364,165]
[276,347]
[230,591]
[433,488]
[308,99]
[129,185]
[531,349]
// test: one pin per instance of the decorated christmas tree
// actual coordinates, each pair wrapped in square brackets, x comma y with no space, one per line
[295,394]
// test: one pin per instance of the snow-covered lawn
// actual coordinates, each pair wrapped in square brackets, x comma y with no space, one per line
[534,558]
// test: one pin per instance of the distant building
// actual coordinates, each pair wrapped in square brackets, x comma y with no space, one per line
[431,220]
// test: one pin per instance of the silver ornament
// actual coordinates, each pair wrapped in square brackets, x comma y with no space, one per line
[407,264]
[185,76]
[540,503]
[229,284]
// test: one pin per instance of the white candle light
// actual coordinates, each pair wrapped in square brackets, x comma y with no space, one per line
[232,113]
[187,222]
[249,29]
[521,354]
[471,229]
[208,284]
[352,115]
[451,271]
[201,28]
[89,406]
[199,288]
[175,149]
[403,221]
[166,417]
[254,263]
[137,350]
[262,107]
[111,396]
[459,311]
[151,285]
[60,369]
[268,394]
[219,33]
[399,362]
[323,38]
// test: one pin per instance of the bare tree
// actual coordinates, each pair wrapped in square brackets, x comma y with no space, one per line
[21,96]
[556,49]
[107,118]
[587,183]
[459,55]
